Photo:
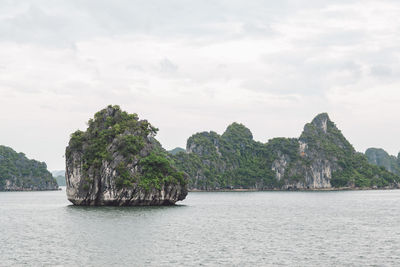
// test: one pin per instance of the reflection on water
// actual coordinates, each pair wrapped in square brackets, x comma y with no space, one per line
[116,209]
[226,228]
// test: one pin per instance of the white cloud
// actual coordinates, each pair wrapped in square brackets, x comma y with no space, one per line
[189,66]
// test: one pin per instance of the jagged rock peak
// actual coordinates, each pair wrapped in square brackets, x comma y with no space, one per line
[203,143]
[320,125]
[112,115]
[237,131]
[110,110]
[322,121]
[322,132]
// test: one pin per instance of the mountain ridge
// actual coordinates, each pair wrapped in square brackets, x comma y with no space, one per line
[321,158]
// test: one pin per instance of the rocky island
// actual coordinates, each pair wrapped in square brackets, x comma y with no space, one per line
[321,158]
[18,173]
[117,161]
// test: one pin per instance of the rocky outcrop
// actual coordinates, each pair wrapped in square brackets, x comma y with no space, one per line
[18,173]
[321,158]
[117,161]
[321,145]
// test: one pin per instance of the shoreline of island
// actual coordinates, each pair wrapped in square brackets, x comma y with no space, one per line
[31,190]
[296,190]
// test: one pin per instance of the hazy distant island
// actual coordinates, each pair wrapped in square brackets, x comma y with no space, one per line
[321,158]
[380,157]
[117,161]
[59,176]
[176,150]
[18,173]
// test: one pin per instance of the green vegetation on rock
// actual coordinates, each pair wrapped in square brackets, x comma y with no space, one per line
[157,170]
[17,172]
[121,142]
[102,130]
[232,160]
[320,158]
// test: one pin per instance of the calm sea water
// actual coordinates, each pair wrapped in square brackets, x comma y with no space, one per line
[349,228]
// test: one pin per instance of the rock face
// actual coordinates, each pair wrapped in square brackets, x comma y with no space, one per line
[321,158]
[380,157]
[322,147]
[18,173]
[117,161]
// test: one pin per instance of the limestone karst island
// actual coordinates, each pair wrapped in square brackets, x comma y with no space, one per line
[117,161]
[321,158]
[199,133]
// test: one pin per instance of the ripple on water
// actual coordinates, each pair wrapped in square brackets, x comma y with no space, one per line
[349,228]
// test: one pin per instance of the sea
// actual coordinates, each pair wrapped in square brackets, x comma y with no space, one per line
[329,228]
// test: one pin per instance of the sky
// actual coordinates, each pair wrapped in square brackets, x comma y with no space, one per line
[190,66]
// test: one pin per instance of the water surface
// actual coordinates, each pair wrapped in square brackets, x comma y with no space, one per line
[350,228]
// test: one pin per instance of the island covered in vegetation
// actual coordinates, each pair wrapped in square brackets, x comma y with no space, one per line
[321,158]
[18,173]
[117,161]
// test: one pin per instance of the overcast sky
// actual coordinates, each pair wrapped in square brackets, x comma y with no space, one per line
[190,66]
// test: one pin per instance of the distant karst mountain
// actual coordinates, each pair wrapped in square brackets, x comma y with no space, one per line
[380,157]
[176,150]
[18,173]
[59,176]
[321,158]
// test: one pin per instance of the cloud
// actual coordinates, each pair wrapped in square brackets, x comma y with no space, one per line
[167,66]
[381,70]
[189,66]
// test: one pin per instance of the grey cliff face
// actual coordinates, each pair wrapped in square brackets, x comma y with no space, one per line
[101,184]
[317,173]
[103,190]
[279,166]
